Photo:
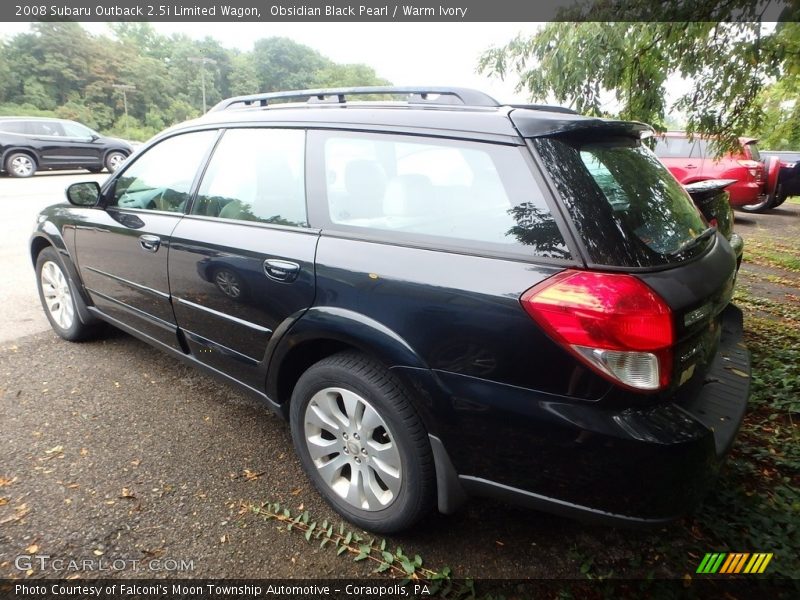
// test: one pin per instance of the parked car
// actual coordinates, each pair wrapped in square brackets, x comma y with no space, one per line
[788,176]
[30,144]
[711,197]
[692,159]
[444,297]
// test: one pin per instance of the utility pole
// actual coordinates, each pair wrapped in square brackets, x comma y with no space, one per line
[125,88]
[203,62]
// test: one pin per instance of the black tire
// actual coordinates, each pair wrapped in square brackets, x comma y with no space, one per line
[763,204]
[780,200]
[20,164]
[72,328]
[94,169]
[114,160]
[404,434]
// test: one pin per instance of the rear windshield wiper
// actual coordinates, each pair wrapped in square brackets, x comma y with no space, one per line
[694,242]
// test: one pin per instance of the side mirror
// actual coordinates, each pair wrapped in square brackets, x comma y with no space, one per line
[94,137]
[86,193]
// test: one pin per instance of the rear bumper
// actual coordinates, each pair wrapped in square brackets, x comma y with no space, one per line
[745,192]
[634,466]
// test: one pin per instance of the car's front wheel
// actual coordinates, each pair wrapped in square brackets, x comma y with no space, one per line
[114,160]
[362,443]
[59,300]
[20,164]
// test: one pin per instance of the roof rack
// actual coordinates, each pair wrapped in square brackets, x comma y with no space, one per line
[416,95]
[547,107]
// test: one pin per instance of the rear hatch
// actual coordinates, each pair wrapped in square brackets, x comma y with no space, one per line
[628,214]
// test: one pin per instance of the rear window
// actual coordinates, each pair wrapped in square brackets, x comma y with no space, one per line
[626,206]
[444,193]
[14,126]
[754,153]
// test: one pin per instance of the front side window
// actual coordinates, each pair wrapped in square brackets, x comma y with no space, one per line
[436,190]
[161,178]
[256,175]
[76,130]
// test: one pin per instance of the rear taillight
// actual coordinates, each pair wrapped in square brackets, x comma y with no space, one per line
[613,322]
[755,168]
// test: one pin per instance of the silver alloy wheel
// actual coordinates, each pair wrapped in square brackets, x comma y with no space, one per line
[21,166]
[115,160]
[57,295]
[228,283]
[353,449]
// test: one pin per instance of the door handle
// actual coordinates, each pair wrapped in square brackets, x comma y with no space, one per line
[281,270]
[691,166]
[151,243]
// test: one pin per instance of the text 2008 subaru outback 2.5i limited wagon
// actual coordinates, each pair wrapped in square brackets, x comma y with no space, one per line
[443,299]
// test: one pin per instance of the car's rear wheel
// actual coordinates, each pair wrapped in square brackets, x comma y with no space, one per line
[59,299]
[362,443]
[20,164]
[114,160]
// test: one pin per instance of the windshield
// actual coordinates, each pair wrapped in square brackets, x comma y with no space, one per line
[629,210]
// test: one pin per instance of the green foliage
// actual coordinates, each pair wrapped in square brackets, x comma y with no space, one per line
[59,69]
[729,63]
[397,563]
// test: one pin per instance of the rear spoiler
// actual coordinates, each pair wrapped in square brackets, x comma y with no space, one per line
[703,190]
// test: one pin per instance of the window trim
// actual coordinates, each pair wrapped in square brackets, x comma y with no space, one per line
[319,216]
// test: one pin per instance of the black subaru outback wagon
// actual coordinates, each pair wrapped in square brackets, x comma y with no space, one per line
[443,296]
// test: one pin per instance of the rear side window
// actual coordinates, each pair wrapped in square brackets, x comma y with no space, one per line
[626,206]
[679,147]
[256,175]
[440,192]
[48,128]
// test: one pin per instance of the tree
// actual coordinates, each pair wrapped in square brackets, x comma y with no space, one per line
[729,61]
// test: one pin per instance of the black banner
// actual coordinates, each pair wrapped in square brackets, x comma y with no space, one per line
[381,10]
[733,588]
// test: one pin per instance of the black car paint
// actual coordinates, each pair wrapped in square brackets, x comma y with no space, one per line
[509,412]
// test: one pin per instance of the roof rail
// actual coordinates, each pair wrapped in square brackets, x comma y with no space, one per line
[416,94]
[547,107]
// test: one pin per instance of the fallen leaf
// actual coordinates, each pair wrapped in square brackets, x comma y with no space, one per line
[84,452]
[6,481]
[136,462]
[295,492]
[32,549]
[73,486]
[3,501]
[21,514]
[223,539]
[126,493]
[97,552]
[54,450]
[251,475]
